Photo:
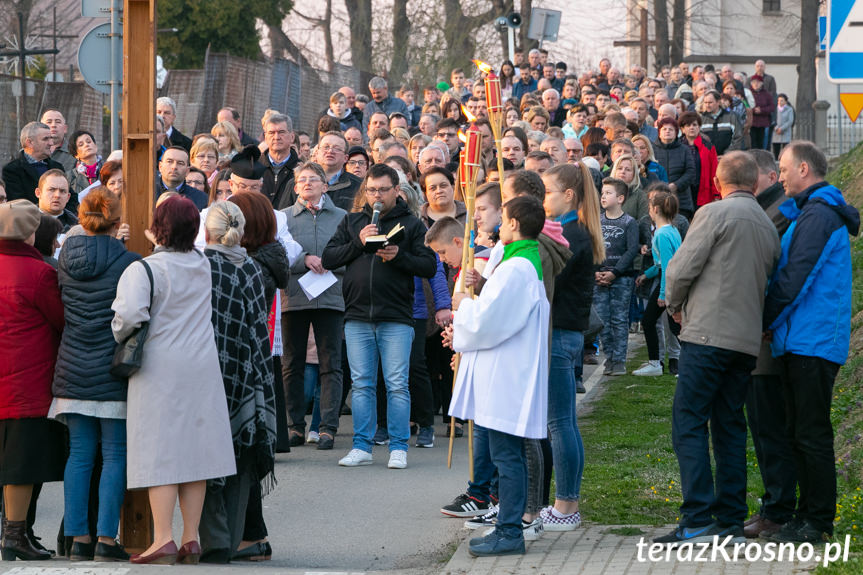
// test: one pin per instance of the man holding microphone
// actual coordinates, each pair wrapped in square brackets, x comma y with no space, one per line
[378,290]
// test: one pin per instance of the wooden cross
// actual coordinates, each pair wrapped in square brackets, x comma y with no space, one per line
[643,40]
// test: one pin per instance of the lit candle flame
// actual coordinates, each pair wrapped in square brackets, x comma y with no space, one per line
[470,117]
[462,137]
[483,66]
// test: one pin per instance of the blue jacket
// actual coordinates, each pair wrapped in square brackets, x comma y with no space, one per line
[439,289]
[808,305]
[90,268]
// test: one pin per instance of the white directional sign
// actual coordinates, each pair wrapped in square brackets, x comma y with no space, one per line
[845,41]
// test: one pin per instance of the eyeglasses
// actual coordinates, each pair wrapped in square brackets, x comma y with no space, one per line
[309,180]
[356,163]
[376,191]
[328,148]
[211,157]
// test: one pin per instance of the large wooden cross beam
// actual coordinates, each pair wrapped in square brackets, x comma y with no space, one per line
[643,42]
[139,157]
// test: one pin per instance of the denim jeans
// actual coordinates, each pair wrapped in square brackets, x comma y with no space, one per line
[507,452]
[85,433]
[612,305]
[313,393]
[390,343]
[485,482]
[711,389]
[566,444]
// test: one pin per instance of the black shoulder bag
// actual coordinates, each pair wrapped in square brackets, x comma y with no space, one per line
[128,354]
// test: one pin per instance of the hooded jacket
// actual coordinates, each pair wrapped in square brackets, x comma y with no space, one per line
[375,290]
[90,268]
[808,306]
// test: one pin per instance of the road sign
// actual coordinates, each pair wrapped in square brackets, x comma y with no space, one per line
[822,32]
[853,104]
[94,58]
[544,24]
[845,41]
[96,8]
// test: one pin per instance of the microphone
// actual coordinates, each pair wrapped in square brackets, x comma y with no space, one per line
[376,214]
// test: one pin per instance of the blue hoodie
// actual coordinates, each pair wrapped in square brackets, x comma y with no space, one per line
[808,304]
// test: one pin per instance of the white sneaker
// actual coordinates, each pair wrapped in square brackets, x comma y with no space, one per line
[356,458]
[313,437]
[652,369]
[398,459]
[533,530]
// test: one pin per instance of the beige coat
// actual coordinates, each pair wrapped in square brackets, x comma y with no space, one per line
[177,423]
[719,275]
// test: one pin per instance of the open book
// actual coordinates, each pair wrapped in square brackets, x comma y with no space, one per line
[395,235]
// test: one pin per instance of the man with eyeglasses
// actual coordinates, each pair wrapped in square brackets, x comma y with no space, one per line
[358,162]
[447,132]
[280,158]
[173,169]
[341,185]
[378,288]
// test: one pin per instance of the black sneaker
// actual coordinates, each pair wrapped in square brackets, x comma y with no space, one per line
[799,531]
[106,553]
[297,438]
[672,366]
[703,534]
[466,506]
[459,432]
[425,437]
[579,386]
[382,436]
[325,442]
[487,520]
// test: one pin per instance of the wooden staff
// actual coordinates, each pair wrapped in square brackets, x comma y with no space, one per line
[468,172]
[494,102]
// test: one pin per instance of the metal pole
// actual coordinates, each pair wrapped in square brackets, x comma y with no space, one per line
[22,67]
[839,118]
[116,72]
[511,36]
[54,57]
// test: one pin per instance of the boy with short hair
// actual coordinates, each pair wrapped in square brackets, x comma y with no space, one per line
[614,280]
[503,374]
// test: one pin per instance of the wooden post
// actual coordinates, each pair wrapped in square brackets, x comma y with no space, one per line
[138,120]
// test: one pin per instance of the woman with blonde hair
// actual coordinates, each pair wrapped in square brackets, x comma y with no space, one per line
[572,201]
[205,156]
[646,158]
[227,138]
[416,145]
[627,168]
[538,118]
[243,342]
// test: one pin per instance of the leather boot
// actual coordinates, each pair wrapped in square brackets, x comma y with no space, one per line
[16,545]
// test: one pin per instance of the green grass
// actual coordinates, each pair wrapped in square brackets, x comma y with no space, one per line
[631,475]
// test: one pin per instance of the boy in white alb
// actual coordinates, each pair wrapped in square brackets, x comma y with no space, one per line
[503,374]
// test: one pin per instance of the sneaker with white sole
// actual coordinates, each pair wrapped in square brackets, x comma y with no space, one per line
[531,531]
[466,506]
[313,437]
[487,520]
[355,458]
[650,369]
[398,459]
[425,437]
[551,522]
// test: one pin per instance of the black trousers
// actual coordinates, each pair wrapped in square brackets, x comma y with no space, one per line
[329,329]
[652,314]
[419,383]
[765,410]
[223,516]
[808,384]
[438,360]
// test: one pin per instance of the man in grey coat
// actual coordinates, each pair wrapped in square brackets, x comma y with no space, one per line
[715,286]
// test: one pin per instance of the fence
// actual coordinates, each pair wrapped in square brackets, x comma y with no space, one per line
[79,103]
[835,133]
[252,87]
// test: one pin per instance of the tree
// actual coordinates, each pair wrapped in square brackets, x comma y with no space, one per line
[360,23]
[401,36]
[660,20]
[678,18]
[806,93]
[222,25]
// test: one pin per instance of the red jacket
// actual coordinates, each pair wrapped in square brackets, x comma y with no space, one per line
[708,160]
[31,321]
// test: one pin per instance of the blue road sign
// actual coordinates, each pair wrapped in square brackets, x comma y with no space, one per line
[822,32]
[845,41]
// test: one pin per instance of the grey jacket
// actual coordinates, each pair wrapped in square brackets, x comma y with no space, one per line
[719,275]
[313,232]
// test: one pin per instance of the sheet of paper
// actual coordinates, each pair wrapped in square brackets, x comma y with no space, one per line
[314,284]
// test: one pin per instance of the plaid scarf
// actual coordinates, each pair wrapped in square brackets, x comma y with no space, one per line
[240,324]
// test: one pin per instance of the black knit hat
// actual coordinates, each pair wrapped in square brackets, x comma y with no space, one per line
[245,164]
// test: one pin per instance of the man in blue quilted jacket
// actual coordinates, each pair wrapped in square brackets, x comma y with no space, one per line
[808,315]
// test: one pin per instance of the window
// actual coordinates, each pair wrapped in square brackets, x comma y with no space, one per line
[771,6]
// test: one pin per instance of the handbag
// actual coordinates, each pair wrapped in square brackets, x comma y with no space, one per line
[129,353]
[595,325]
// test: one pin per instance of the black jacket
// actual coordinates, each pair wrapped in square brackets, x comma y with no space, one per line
[276,180]
[22,178]
[374,290]
[573,287]
[341,193]
[678,162]
[90,267]
[198,197]
[273,262]
[179,139]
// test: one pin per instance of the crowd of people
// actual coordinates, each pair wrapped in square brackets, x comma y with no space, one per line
[318,274]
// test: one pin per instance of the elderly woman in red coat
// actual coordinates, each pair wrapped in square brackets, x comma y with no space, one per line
[32,447]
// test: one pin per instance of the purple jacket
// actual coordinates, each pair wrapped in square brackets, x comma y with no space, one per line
[764,101]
